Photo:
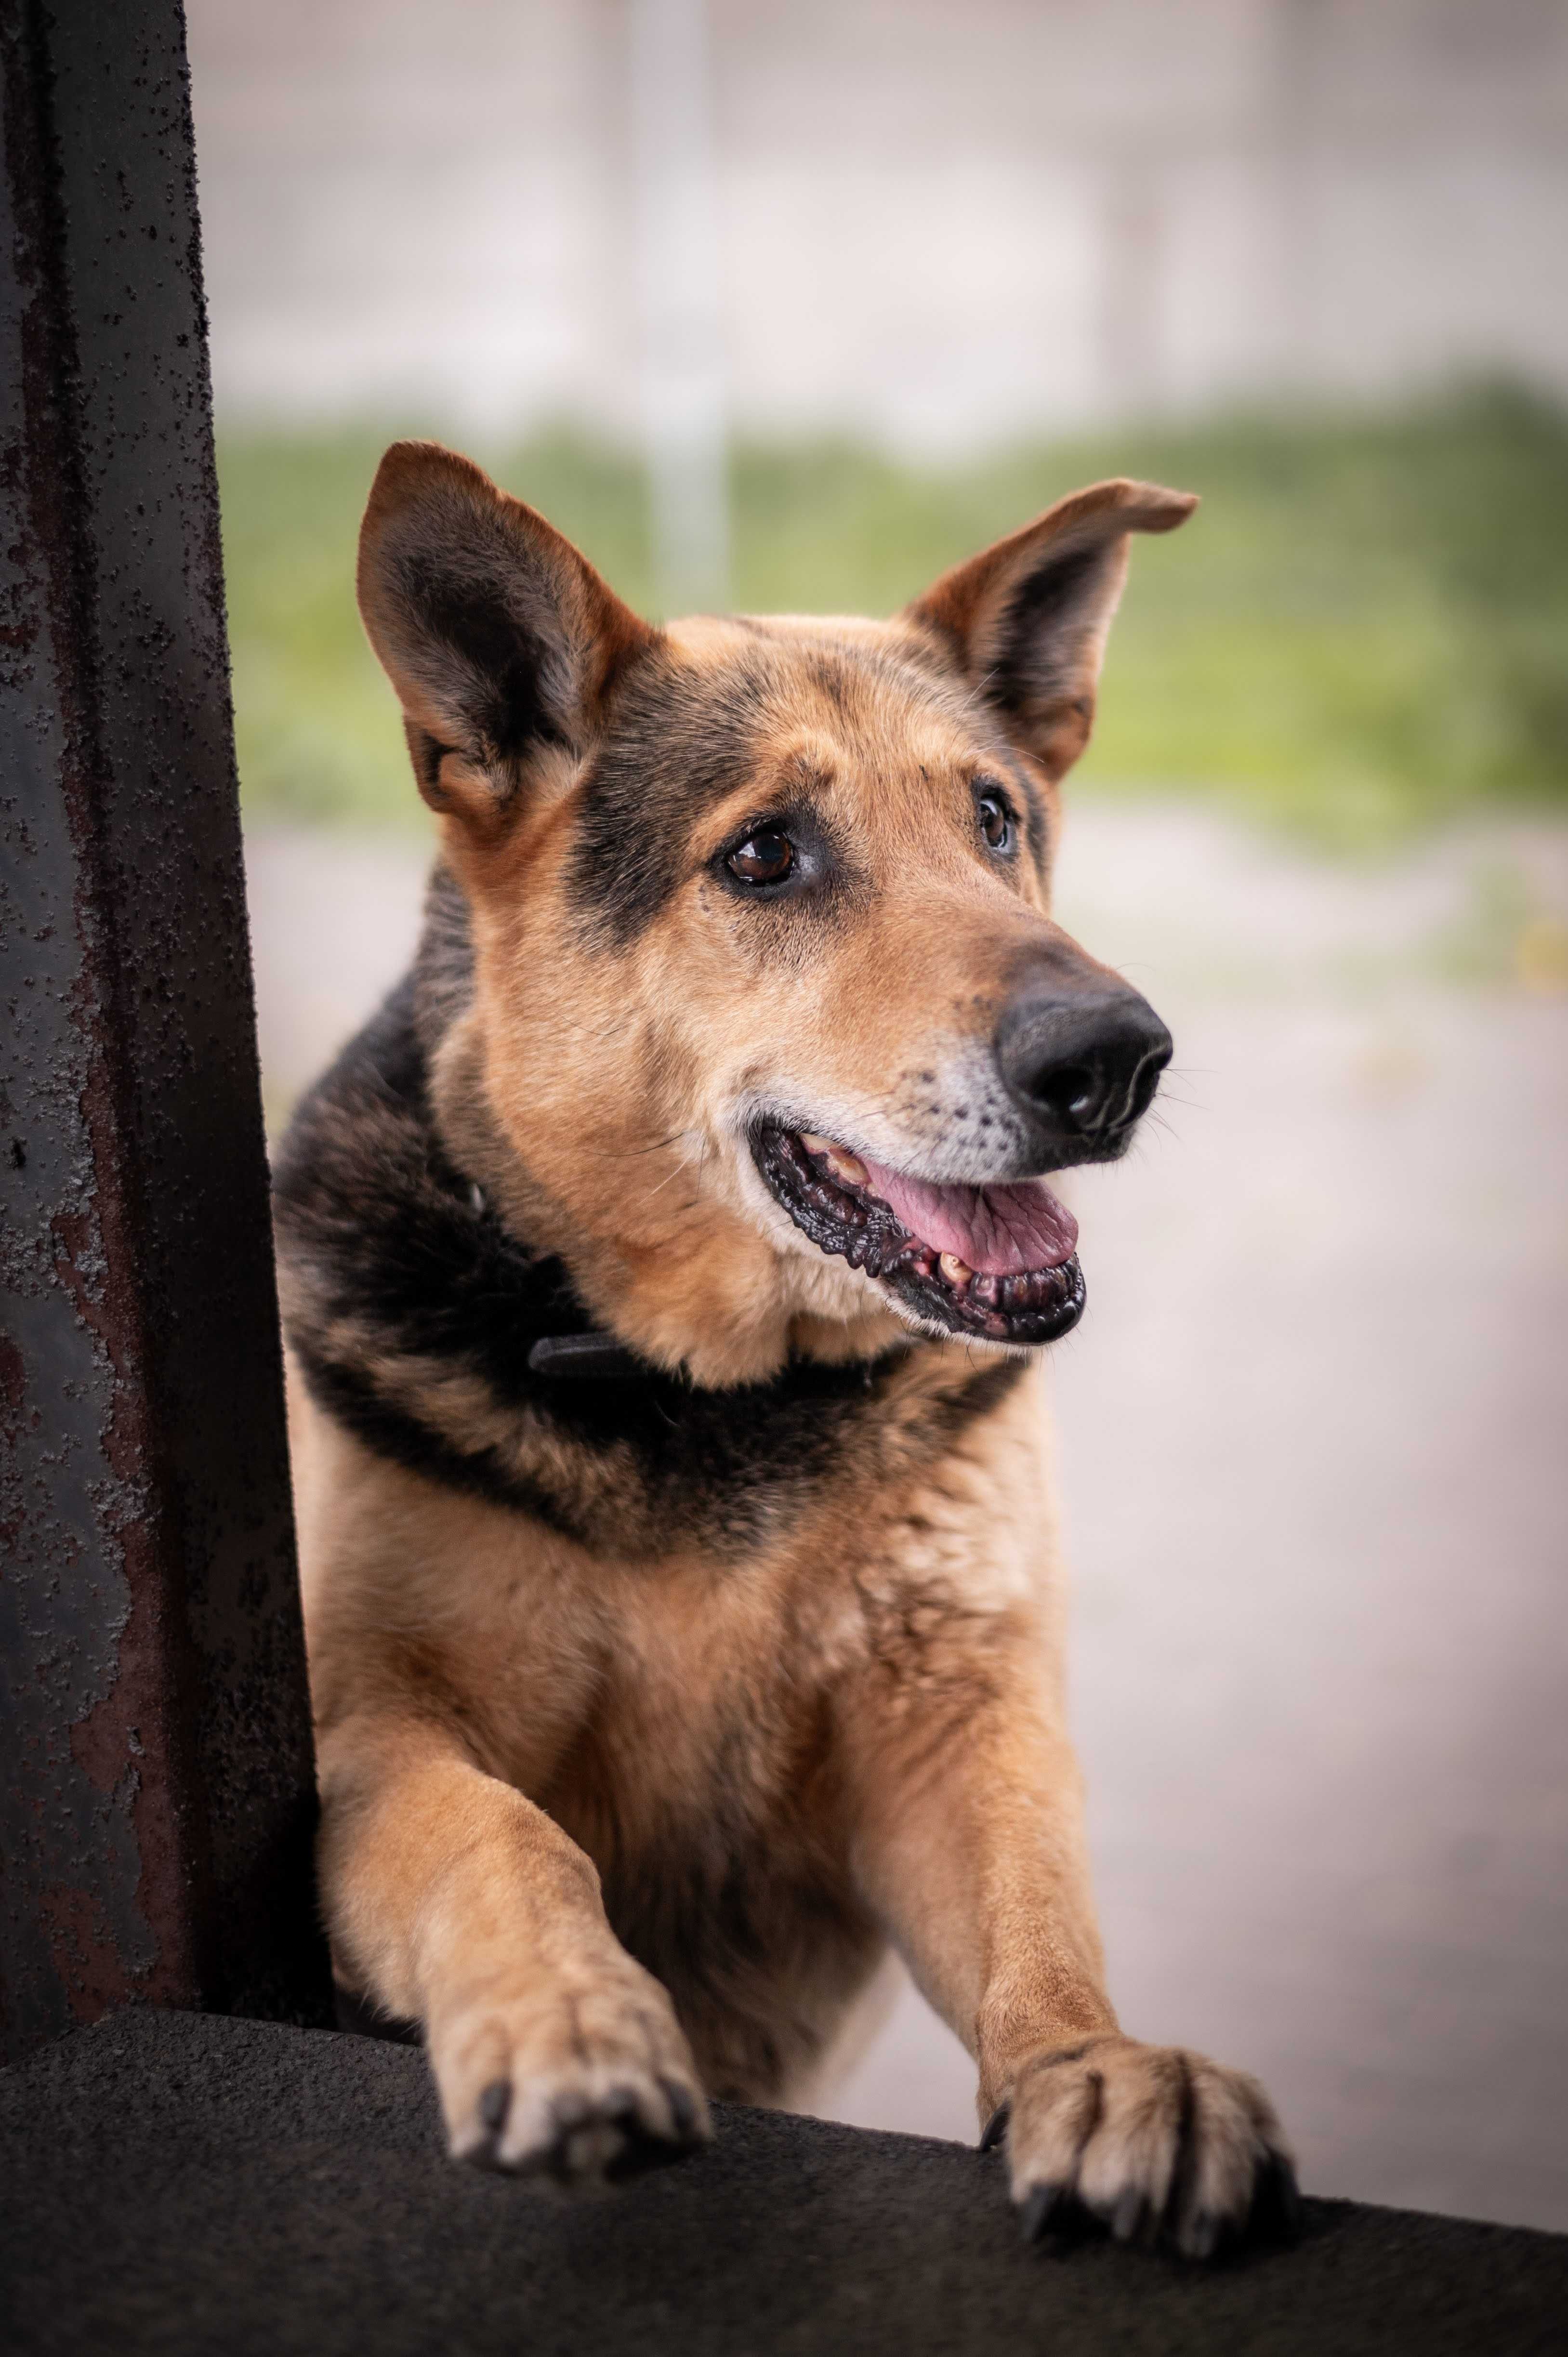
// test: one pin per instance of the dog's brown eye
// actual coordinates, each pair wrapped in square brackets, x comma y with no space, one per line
[763,858]
[996,822]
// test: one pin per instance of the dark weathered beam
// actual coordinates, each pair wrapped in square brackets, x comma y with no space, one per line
[156,1793]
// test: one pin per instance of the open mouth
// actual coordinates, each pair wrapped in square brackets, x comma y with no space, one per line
[998,1263]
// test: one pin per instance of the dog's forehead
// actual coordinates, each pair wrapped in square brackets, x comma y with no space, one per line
[857,696]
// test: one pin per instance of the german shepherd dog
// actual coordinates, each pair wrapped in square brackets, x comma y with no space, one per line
[666,1270]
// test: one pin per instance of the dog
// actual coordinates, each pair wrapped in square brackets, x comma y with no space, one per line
[665,1274]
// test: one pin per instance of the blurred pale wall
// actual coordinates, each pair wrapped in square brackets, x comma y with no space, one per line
[939,224]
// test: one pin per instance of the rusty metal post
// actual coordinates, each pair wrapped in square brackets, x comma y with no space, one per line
[155,1773]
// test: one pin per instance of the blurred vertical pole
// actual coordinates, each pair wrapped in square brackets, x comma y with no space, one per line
[675,182]
[1302,33]
[156,1797]
[1131,268]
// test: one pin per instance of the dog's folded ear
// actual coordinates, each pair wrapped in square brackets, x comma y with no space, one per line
[1027,619]
[502,641]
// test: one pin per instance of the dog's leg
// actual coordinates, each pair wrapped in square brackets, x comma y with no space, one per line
[455,1901]
[968,1842]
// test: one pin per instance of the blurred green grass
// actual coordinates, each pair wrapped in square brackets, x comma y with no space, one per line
[1363,630]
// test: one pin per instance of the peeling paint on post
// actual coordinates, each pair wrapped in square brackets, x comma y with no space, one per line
[156,1775]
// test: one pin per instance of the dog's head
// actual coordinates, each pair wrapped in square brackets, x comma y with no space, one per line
[772,1037]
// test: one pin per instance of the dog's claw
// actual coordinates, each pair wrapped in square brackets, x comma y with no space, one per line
[1128,2217]
[1200,2236]
[1276,2201]
[682,2110]
[1038,2209]
[495,2104]
[606,2136]
[995,2128]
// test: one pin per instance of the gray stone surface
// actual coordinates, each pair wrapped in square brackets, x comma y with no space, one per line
[182,2184]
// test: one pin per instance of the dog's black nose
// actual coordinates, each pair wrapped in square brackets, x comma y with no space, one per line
[1082,1065]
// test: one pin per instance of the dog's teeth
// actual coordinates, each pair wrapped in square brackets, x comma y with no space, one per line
[957,1272]
[847,1168]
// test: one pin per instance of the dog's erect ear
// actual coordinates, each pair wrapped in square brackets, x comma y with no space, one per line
[1027,619]
[501,641]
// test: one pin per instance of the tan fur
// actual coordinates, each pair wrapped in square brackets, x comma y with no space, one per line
[858,1731]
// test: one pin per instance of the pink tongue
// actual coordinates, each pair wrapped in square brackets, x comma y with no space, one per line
[998,1230]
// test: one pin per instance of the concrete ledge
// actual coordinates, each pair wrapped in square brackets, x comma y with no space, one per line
[185,2184]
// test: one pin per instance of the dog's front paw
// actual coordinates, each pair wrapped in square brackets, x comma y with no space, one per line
[571,2075]
[1158,2145]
